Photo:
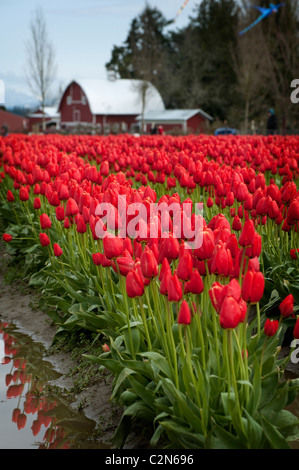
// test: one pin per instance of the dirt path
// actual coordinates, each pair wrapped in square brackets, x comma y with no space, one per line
[15,308]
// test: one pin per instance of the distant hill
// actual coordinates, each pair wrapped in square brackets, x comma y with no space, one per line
[16,99]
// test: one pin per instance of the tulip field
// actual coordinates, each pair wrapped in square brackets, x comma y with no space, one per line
[196,310]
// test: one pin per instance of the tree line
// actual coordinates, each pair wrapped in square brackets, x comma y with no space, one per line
[209,65]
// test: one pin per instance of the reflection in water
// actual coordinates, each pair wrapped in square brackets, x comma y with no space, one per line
[30,415]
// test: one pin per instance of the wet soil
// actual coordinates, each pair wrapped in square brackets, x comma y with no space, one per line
[16,301]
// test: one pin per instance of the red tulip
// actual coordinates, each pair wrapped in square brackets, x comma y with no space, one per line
[44,239]
[293,253]
[6,237]
[36,203]
[185,266]
[148,262]
[45,221]
[255,249]
[210,202]
[59,210]
[237,224]
[113,245]
[66,223]
[10,196]
[208,244]
[229,200]
[174,289]
[230,313]
[247,234]
[296,329]
[71,208]
[184,317]
[134,284]
[241,192]
[97,258]
[222,263]
[57,250]
[195,284]
[81,226]
[104,168]
[24,196]
[270,327]
[286,307]
[124,264]
[169,249]
[217,295]
[293,212]
[253,286]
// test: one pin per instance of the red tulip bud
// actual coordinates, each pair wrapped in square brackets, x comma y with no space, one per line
[134,284]
[24,196]
[148,262]
[195,284]
[57,250]
[44,239]
[113,246]
[253,286]
[10,196]
[296,329]
[45,221]
[286,307]
[247,234]
[6,237]
[230,313]
[174,290]
[185,266]
[184,317]
[270,327]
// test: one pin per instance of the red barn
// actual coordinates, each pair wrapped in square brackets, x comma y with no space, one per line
[177,121]
[106,106]
[14,122]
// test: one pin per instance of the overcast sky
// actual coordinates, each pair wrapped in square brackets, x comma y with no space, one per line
[82,33]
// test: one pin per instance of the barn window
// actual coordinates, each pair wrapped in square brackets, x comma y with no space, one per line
[124,126]
[115,127]
[83,100]
[69,100]
[77,115]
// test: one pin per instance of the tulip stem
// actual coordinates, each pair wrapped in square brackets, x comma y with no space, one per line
[199,326]
[172,345]
[216,339]
[233,377]
[258,320]
[243,362]
[192,377]
[148,339]
[127,313]
[158,313]
[241,267]
[31,222]
[150,310]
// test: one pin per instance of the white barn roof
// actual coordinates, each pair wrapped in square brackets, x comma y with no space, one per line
[173,115]
[120,96]
[49,111]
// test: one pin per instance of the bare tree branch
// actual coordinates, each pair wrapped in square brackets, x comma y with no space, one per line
[40,68]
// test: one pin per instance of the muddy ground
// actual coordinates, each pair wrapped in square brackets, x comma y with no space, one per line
[15,308]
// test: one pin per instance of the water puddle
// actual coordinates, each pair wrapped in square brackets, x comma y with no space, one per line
[32,415]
